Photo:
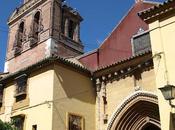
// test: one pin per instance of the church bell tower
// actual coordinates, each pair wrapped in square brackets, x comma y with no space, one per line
[39,29]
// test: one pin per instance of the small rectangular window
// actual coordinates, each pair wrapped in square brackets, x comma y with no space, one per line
[21,87]
[18,122]
[75,122]
[34,127]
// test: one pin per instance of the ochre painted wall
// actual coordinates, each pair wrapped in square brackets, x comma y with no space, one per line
[118,91]
[162,40]
[39,92]
[73,93]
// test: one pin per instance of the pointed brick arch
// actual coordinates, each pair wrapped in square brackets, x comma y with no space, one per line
[137,111]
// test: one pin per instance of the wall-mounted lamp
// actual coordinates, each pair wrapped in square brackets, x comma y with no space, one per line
[168,92]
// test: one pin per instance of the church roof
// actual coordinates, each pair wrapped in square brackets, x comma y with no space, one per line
[156,11]
[125,60]
[76,61]
[117,45]
[46,62]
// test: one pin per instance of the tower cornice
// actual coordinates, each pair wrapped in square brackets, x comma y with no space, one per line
[23,9]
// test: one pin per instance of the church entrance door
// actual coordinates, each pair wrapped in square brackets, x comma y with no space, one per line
[140,111]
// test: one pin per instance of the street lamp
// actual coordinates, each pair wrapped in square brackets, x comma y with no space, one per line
[168,92]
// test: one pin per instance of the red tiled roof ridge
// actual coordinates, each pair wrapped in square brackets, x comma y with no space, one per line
[123,60]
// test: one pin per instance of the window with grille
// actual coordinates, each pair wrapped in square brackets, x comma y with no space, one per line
[21,87]
[75,122]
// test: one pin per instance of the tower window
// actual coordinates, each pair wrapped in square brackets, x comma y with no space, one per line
[34,34]
[20,34]
[19,38]
[71,29]
[36,24]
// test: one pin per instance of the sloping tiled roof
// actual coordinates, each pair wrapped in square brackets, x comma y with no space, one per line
[45,62]
[124,60]
[2,74]
[157,10]
[76,61]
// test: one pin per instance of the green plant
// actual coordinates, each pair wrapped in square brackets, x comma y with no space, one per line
[6,126]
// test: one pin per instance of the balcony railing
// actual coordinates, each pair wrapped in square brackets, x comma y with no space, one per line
[33,40]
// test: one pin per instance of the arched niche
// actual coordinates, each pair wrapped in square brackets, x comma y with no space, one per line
[36,24]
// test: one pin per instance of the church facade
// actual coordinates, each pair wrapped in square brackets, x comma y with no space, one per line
[50,84]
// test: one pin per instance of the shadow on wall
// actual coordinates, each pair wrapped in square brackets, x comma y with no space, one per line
[73,93]
[72,84]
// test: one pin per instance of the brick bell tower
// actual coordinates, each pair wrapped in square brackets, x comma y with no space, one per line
[40,29]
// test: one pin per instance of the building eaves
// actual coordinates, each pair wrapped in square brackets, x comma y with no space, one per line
[123,61]
[157,10]
[43,63]
[23,10]
[76,61]
[65,6]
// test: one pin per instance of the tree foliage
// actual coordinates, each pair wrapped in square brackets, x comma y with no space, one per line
[6,126]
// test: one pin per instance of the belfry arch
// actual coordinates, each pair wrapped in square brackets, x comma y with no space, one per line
[138,112]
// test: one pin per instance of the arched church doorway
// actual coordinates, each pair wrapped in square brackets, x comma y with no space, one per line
[151,127]
[138,112]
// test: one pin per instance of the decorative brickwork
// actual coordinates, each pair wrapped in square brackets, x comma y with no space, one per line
[36,33]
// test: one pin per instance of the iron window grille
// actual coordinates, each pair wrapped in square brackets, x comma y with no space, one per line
[21,85]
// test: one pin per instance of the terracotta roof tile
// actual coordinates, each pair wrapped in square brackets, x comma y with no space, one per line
[124,60]
[157,10]
[45,62]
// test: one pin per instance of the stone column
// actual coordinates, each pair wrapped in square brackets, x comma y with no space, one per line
[103,95]
[101,104]
[98,88]
[66,27]
[77,33]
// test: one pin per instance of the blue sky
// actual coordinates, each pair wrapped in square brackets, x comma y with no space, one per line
[100,17]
